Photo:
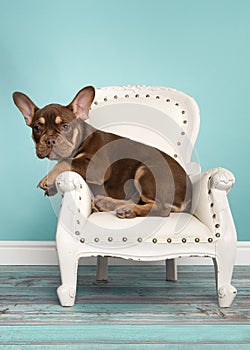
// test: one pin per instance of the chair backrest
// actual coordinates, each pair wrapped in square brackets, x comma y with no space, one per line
[158,116]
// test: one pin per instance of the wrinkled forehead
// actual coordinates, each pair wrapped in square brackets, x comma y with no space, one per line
[53,115]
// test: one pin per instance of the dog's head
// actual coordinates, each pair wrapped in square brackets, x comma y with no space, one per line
[56,130]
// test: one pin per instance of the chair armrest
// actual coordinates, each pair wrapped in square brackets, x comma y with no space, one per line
[222,179]
[210,190]
[76,200]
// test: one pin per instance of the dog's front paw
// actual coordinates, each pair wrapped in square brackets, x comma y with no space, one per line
[43,184]
[126,211]
[49,189]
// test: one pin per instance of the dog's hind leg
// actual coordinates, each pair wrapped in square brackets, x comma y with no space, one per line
[103,203]
[148,204]
[132,210]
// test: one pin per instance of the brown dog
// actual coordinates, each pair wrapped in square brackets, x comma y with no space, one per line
[132,178]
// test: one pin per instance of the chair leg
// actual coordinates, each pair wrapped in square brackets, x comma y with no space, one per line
[223,272]
[171,270]
[102,269]
[67,290]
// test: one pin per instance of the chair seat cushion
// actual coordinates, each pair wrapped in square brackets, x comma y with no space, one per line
[177,228]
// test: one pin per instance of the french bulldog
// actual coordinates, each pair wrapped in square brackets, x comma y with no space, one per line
[125,176]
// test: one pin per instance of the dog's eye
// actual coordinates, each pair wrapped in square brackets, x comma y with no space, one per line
[37,128]
[66,127]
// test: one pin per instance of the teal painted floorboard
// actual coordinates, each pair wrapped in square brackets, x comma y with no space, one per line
[137,309]
[125,334]
[128,347]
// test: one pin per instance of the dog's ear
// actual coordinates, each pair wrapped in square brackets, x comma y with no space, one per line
[26,106]
[81,103]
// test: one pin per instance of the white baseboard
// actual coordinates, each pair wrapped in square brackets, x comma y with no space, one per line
[44,253]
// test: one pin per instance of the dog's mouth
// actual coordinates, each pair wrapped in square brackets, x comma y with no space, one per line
[44,153]
[56,146]
[43,150]
[59,150]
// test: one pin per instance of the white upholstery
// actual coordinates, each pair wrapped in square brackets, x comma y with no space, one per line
[169,120]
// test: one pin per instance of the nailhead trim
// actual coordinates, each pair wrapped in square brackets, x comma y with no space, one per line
[213,212]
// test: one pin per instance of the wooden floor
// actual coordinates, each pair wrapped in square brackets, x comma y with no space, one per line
[137,309]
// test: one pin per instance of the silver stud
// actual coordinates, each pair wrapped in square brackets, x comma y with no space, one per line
[154,240]
[96,239]
[197,240]
[80,198]
[105,99]
[77,233]
[82,240]
[139,239]
[184,240]
[96,103]
[217,225]
[168,100]
[124,239]
[184,121]
[157,97]
[127,96]
[210,240]
[116,97]
[78,222]
[183,133]
[183,112]
[137,95]
[169,240]
[175,155]
[178,143]
[147,95]
[217,234]
[177,104]
[110,239]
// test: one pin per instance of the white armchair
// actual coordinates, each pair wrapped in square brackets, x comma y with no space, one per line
[169,120]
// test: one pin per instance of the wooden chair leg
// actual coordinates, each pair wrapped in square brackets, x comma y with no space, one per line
[102,269]
[67,290]
[223,271]
[171,270]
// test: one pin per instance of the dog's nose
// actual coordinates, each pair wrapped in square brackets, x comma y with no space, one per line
[51,142]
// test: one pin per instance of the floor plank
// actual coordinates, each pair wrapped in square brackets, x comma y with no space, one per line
[136,307]
[116,335]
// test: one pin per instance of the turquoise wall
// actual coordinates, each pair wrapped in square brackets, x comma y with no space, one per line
[50,49]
